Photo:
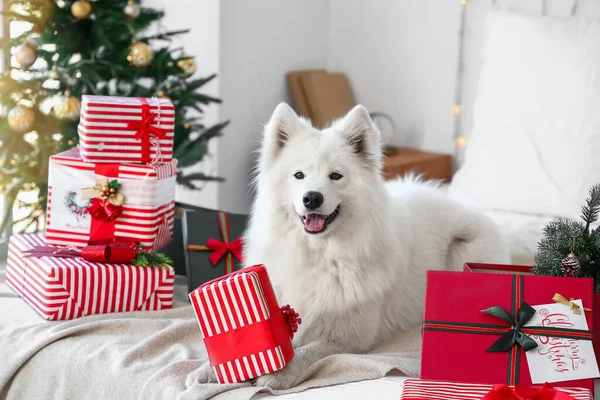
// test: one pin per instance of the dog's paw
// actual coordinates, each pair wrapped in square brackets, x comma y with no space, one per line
[206,374]
[280,380]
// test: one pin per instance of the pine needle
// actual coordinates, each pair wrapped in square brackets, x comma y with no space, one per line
[591,209]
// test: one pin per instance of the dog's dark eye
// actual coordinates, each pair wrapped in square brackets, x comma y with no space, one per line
[335,176]
[299,175]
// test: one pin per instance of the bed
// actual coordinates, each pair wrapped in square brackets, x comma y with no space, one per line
[157,354]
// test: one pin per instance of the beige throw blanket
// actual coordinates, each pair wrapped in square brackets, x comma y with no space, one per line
[145,355]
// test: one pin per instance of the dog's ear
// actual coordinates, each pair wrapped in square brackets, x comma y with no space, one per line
[284,123]
[362,135]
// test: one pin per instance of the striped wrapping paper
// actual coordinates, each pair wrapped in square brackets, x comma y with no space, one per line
[148,212]
[241,308]
[416,389]
[104,135]
[68,288]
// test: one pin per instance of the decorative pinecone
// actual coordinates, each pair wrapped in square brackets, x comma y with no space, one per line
[570,265]
[292,319]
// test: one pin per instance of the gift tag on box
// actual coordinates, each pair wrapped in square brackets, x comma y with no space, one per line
[559,359]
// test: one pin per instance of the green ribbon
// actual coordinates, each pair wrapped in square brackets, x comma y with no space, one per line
[514,336]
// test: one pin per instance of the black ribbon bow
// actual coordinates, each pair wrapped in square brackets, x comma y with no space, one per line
[513,336]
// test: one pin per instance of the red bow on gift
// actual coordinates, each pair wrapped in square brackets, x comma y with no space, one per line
[103,210]
[222,249]
[546,392]
[145,128]
[219,249]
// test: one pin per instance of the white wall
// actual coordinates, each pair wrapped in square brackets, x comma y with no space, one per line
[202,17]
[401,58]
[260,41]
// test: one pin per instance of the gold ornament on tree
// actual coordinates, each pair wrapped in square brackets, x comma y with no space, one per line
[67,108]
[26,55]
[81,9]
[188,66]
[140,55]
[21,119]
[162,95]
[132,9]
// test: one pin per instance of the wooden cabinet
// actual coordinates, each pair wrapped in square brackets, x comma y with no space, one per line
[400,161]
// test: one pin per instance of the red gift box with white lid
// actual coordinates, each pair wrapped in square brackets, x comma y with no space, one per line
[131,130]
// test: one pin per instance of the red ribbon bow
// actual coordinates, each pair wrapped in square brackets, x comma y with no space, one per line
[145,128]
[104,211]
[219,249]
[222,249]
[546,392]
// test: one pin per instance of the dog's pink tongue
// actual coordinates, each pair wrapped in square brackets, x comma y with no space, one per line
[314,222]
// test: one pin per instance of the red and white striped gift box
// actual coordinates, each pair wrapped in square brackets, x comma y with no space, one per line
[108,127]
[68,288]
[241,308]
[148,212]
[417,389]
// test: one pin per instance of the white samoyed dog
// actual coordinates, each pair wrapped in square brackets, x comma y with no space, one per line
[343,247]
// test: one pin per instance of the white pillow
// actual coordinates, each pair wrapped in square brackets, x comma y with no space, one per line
[535,145]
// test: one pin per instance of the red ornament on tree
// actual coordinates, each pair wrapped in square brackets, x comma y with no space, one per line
[570,265]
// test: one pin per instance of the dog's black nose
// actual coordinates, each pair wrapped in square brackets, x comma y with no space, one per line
[312,200]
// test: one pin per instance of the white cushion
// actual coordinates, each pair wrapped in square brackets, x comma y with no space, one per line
[535,145]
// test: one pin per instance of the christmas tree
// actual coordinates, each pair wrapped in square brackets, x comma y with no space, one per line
[79,47]
[572,248]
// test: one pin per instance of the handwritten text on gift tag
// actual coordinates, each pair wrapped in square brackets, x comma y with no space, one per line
[560,359]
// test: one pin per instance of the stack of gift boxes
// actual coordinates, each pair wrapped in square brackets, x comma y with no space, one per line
[114,192]
[112,197]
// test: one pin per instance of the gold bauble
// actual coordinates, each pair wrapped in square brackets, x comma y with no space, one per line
[21,119]
[81,9]
[188,66]
[26,55]
[140,55]
[67,108]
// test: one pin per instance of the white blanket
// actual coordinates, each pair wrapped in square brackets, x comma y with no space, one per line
[145,355]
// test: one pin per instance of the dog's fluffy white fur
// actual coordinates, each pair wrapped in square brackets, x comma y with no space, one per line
[361,281]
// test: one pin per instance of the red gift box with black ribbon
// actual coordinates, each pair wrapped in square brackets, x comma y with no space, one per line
[245,331]
[132,130]
[91,202]
[68,283]
[474,325]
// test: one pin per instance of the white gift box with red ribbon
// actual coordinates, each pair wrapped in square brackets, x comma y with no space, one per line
[67,288]
[134,130]
[417,389]
[147,215]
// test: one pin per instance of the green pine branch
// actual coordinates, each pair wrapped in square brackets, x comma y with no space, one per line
[562,233]
[591,209]
[152,259]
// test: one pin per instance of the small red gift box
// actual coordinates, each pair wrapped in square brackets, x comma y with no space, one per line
[146,216]
[457,335]
[416,389]
[68,288]
[245,331]
[129,130]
